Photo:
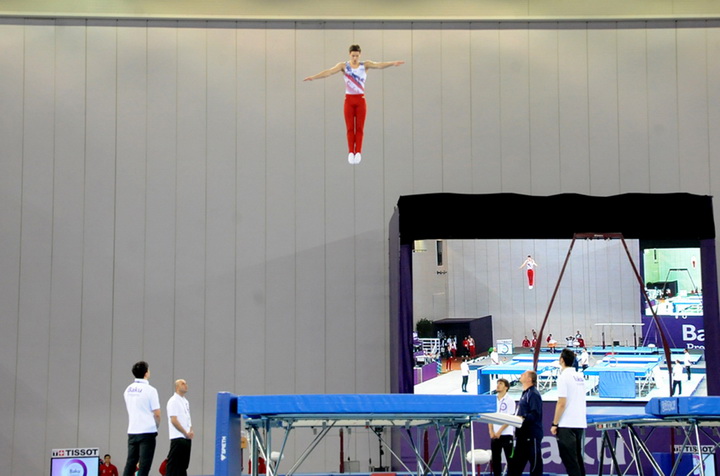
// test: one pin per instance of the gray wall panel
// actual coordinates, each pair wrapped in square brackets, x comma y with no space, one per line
[456,110]
[485,100]
[220,305]
[280,212]
[633,107]
[64,370]
[161,199]
[603,109]
[544,113]
[97,393]
[191,268]
[161,205]
[515,107]
[573,105]
[598,286]
[11,165]
[662,91]
[33,337]
[426,118]
[713,59]
[251,222]
[693,107]
[310,214]
[173,191]
[398,164]
[128,337]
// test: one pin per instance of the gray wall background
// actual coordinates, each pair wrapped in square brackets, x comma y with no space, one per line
[598,286]
[172,191]
[482,278]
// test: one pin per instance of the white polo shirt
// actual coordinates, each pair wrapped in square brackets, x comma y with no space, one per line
[178,406]
[141,400]
[505,405]
[571,385]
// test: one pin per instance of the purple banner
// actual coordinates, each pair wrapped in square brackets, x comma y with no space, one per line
[682,332]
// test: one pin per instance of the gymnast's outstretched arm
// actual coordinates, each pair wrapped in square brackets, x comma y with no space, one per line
[328,72]
[383,65]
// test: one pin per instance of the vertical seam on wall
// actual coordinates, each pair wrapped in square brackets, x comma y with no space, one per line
[529,107]
[442,109]
[177,171]
[115,177]
[145,195]
[707,112]
[499,98]
[20,245]
[648,126]
[677,108]
[265,204]
[557,91]
[472,102]
[114,235]
[205,238]
[235,214]
[588,104]
[412,108]
[617,106]
[82,243]
[295,202]
[325,228]
[53,23]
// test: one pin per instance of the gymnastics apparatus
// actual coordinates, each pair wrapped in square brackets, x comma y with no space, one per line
[696,418]
[449,415]
[355,109]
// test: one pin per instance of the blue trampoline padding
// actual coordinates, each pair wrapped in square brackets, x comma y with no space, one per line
[367,405]
[513,368]
[640,370]
[609,414]
[617,384]
[684,406]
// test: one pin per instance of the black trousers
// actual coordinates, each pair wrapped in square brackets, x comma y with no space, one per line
[464,383]
[179,457]
[571,443]
[141,449]
[527,450]
[498,446]
[678,384]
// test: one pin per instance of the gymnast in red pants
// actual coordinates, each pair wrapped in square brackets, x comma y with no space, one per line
[355,109]
[530,264]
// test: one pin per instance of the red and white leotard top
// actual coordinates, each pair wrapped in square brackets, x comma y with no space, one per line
[354,79]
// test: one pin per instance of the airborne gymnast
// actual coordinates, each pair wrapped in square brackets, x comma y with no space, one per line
[355,109]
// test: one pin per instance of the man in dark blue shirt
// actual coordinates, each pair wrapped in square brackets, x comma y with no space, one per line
[529,436]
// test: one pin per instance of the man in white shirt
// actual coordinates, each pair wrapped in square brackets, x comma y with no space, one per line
[501,436]
[570,418]
[494,356]
[143,407]
[686,363]
[180,431]
[584,359]
[677,375]
[465,372]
